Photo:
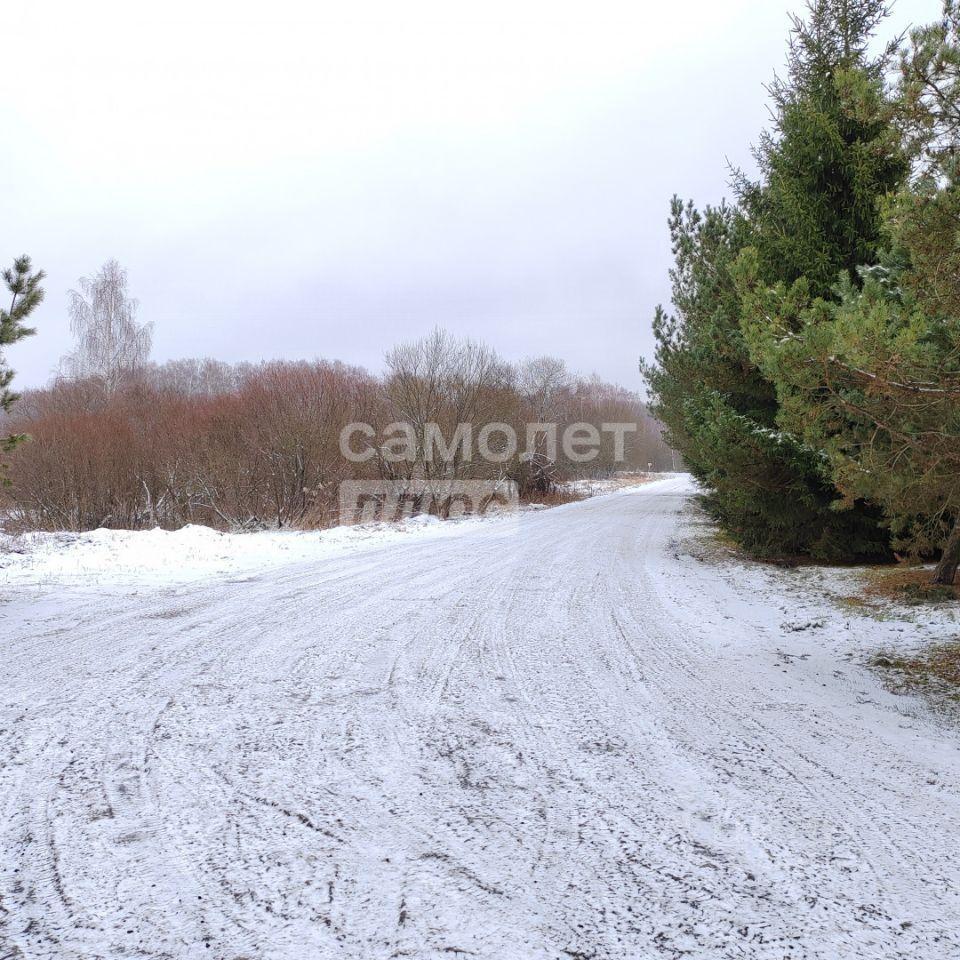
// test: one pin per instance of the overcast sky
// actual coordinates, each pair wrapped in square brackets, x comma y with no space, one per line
[301,179]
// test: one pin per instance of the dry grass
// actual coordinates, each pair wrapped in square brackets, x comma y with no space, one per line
[908,585]
[555,498]
[624,480]
[575,491]
[934,670]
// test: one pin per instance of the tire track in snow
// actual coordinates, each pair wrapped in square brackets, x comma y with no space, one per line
[557,740]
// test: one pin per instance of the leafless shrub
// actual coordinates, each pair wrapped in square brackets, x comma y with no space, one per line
[437,386]
[240,446]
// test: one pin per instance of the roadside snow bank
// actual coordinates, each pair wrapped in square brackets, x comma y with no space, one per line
[191,553]
[164,557]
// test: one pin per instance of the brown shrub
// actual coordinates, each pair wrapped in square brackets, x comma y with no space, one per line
[265,453]
[259,445]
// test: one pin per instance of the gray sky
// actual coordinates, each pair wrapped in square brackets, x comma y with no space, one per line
[300,179]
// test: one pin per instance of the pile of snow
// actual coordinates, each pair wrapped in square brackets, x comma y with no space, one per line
[163,557]
[193,552]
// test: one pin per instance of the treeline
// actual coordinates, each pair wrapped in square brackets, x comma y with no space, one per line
[810,370]
[143,445]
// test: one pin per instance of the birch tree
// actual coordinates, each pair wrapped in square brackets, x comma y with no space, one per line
[111,344]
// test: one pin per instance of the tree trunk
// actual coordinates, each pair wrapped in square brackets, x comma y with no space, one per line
[946,572]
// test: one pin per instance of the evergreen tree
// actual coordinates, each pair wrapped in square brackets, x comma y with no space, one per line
[928,100]
[872,375]
[827,160]
[811,215]
[874,381]
[700,350]
[26,293]
[766,488]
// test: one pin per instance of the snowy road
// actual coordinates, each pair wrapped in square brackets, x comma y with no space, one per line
[558,738]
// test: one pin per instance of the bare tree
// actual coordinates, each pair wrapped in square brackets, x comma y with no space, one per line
[449,384]
[545,386]
[110,343]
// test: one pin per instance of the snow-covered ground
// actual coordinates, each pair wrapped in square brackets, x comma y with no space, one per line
[165,557]
[572,735]
[601,487]
[193,553]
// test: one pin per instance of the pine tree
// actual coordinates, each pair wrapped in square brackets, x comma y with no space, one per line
[811,216]
[872,375]
[26,294]
[700,350]
[874,381]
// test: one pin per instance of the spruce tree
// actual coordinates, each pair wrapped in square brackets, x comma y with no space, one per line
[828,159]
